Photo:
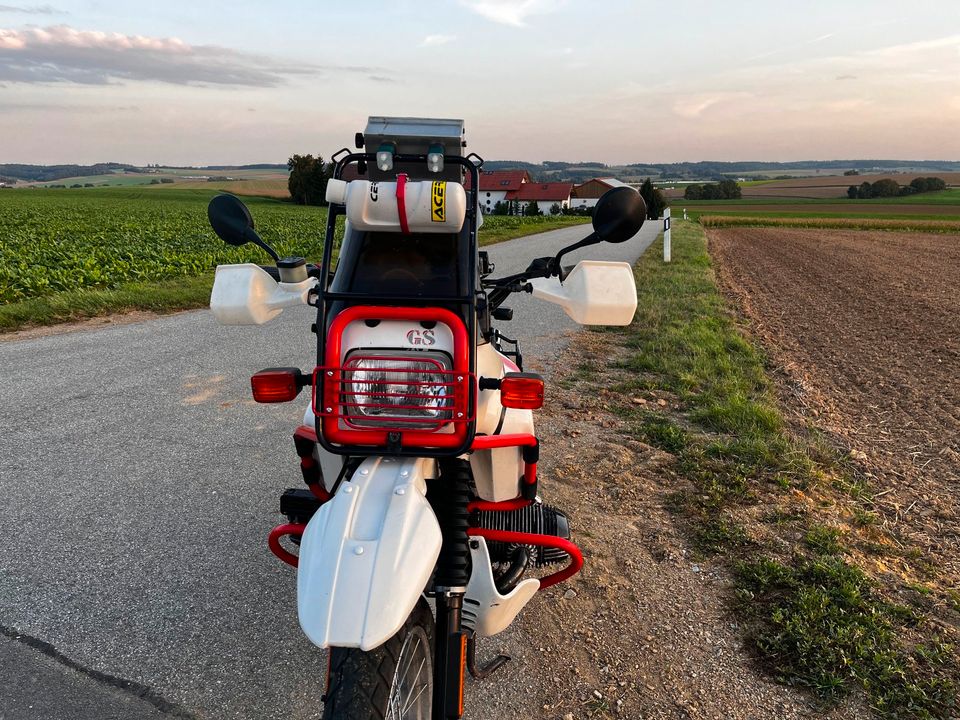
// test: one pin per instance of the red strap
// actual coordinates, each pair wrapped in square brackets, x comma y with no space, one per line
[401,203]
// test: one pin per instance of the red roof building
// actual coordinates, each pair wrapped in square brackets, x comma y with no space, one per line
[497,185]
[556,192]
[500,180]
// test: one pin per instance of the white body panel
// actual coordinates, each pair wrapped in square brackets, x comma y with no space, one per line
[247,295]
[484,608]
[431,206]
[594,293]
[496,473]
[330,464]
[367,554]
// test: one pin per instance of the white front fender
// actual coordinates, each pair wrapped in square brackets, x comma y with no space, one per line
[367,554]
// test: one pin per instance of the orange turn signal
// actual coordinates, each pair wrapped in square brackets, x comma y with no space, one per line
[275,385]
[521,390]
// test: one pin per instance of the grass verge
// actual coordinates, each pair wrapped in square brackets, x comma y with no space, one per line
[165,296]
[764,498]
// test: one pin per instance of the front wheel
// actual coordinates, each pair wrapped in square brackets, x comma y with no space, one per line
[391,682]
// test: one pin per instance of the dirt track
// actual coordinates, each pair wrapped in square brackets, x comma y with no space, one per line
[866,326]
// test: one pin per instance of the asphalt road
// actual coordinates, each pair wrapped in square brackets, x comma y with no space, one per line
[139,481]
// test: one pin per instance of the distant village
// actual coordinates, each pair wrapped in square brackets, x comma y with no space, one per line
[513,192]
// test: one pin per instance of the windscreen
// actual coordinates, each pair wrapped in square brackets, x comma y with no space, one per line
[390,263]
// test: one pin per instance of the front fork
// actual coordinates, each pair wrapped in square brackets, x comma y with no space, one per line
[449,495]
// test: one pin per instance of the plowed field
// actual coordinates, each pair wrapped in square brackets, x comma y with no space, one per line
[866,327]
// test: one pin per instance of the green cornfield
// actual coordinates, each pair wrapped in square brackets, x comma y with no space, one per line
[53,241]
[57,240]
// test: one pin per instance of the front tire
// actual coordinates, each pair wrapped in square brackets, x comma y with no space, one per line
[391,682]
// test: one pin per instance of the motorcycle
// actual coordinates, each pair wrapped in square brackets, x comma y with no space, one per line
[420,527]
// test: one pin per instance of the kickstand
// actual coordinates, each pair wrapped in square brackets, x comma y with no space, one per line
[486,670]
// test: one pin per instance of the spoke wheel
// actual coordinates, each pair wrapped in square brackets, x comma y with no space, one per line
[391,682]
[412,690]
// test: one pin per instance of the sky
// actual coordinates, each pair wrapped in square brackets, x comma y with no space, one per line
[615,81]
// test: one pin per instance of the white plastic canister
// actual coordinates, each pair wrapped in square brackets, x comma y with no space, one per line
[431,205]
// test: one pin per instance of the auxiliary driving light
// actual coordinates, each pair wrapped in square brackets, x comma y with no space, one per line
[385,155]
[435,158]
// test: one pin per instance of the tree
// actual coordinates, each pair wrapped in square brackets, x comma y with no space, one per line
[308,179]
[885,188]
[711,191]
[849,173]
[723,190]
[730,190]
[927,184]
[532,209]
[654,199]
[555,209]
[853,192]
[500,208]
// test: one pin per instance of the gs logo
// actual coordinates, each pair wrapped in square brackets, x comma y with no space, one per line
[421,337]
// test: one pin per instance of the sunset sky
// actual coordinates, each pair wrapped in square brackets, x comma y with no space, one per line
[614,81]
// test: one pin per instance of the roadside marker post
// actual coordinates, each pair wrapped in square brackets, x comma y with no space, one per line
[666,235]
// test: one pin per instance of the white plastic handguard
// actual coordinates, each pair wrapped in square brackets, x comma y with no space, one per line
[247,295]
[594,293]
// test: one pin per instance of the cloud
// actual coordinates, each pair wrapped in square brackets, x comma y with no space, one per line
[510,12]
[434,40]
[62,54]
[62,108]
[31,9]
[696,105]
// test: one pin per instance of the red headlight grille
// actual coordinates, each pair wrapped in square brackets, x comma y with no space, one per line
[389,397]
[392,391]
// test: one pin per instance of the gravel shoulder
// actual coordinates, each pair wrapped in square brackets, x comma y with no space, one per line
[644,631]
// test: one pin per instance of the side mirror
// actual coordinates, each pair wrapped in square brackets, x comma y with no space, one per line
[594,293]
[247,295]
[233,223]
[619,215]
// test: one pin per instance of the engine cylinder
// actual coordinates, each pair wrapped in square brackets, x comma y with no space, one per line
[536,518]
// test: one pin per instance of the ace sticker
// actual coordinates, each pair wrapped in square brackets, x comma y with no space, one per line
[438,202]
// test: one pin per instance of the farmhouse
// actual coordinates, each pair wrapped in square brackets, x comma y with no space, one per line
[586,194]
[546,195]
[496,185]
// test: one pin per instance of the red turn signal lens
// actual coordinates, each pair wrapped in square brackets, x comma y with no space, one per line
[523,391]
[275,385]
